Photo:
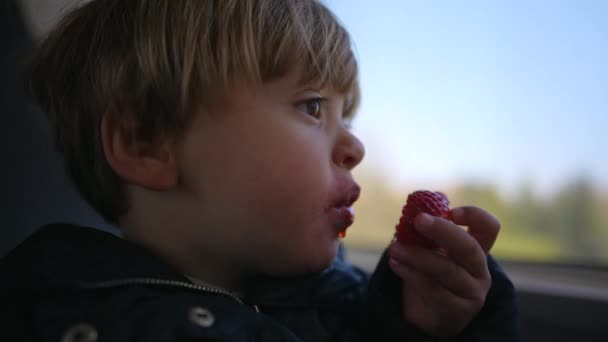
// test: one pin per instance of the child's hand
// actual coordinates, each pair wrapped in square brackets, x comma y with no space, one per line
[443,291]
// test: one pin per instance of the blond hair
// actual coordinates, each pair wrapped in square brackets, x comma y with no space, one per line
[150,64]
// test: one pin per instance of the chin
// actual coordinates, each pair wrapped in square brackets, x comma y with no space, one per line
[304,267]
[308,269]
[314,260]
[323,259]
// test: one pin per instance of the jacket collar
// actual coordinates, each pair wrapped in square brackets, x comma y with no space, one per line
[66,255]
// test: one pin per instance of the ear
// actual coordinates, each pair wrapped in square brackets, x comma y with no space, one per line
[152,166]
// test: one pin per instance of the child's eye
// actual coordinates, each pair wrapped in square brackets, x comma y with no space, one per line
[311,107]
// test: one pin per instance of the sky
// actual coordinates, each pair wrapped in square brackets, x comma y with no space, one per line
[488,90]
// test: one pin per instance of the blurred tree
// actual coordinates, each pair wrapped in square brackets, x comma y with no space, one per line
[529,213]
[575,222]
[481,195]
[600,223]
[571,226]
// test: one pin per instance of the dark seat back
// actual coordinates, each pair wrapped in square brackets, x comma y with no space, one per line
[35,188]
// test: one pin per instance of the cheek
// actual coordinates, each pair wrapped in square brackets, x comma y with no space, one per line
[270,188]
[289,179]
[281,196]
[281,174]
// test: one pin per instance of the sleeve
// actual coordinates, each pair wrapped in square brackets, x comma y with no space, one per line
[498,320]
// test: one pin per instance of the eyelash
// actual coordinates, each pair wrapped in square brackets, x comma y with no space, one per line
[303,106]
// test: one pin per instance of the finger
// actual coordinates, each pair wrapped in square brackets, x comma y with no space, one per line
[417,304]
[426,302]
[460,245]
[412,279]
[483,226]
[441,269]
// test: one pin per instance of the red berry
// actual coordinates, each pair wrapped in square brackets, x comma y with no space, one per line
[433,203]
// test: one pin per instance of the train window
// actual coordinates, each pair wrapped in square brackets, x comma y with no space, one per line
[498,104]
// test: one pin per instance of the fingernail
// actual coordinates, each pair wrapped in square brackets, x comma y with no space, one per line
[397,251]
[394,263]
[455,213]
[398,268]
[425,221]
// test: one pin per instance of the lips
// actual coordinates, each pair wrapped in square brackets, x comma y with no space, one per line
[340,211]
[341,218]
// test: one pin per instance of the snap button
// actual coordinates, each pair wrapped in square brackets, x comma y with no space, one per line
[82,332]
[201,317]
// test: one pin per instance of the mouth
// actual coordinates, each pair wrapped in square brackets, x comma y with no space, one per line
[349,197]
[341,212]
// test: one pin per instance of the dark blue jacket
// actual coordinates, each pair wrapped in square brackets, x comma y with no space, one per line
[70,283]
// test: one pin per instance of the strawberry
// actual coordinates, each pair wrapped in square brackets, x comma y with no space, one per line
[433,203]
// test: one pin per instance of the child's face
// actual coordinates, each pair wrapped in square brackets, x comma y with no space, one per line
[266,175]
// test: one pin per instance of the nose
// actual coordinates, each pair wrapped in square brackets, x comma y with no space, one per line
[348,151]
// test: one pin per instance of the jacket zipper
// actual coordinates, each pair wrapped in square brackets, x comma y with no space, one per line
[161,282]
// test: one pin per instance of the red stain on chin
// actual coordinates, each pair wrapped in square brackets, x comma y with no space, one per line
[342,234]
